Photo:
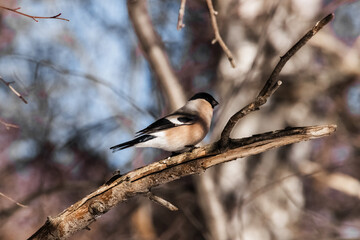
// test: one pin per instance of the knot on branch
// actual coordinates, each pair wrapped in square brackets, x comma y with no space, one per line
[97,208]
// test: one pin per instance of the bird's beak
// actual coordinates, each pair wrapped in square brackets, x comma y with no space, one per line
[214,103]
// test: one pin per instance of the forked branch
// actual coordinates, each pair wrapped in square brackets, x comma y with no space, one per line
[272,84]
[138,182]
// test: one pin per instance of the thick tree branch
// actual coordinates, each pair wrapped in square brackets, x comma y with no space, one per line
[272,83]
[35,18]
[154,52]
[138,182]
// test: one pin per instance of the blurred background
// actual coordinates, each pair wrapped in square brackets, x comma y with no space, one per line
[89,86]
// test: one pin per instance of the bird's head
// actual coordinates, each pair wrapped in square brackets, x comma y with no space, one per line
[205,96]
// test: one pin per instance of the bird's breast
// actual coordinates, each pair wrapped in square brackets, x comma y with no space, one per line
[175,139]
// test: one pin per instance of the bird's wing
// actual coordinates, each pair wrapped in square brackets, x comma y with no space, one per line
[170,121]
[182,118]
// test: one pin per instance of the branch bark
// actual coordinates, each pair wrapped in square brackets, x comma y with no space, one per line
[138,182]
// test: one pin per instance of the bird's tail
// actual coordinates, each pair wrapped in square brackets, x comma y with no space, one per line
[131,143]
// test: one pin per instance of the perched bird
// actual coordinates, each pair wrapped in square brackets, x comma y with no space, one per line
[178,131]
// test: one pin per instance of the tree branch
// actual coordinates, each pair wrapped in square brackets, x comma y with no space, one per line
[5,213]
[272,84]
[15,10]
[81,214]
[13,89]
[12,200]
[161,201]
[275,74]
[218,37]
[8,125]
[154,52]
[180,23]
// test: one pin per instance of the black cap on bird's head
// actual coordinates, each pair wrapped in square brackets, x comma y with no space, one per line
[205,96]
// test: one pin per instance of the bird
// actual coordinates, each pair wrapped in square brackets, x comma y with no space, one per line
[178,131]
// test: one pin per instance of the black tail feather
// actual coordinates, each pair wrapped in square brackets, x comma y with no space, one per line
[131,143]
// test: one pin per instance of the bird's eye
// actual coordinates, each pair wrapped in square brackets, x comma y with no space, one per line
[184,119]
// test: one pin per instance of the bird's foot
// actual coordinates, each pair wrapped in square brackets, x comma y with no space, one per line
[191,147]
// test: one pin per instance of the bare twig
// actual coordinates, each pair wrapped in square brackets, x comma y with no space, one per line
[218,38]
[161,201]
[15,10]
[283,59]
[83,213]
[8,125]
[13,89]
[180,23]
[12,200]
[272,83]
